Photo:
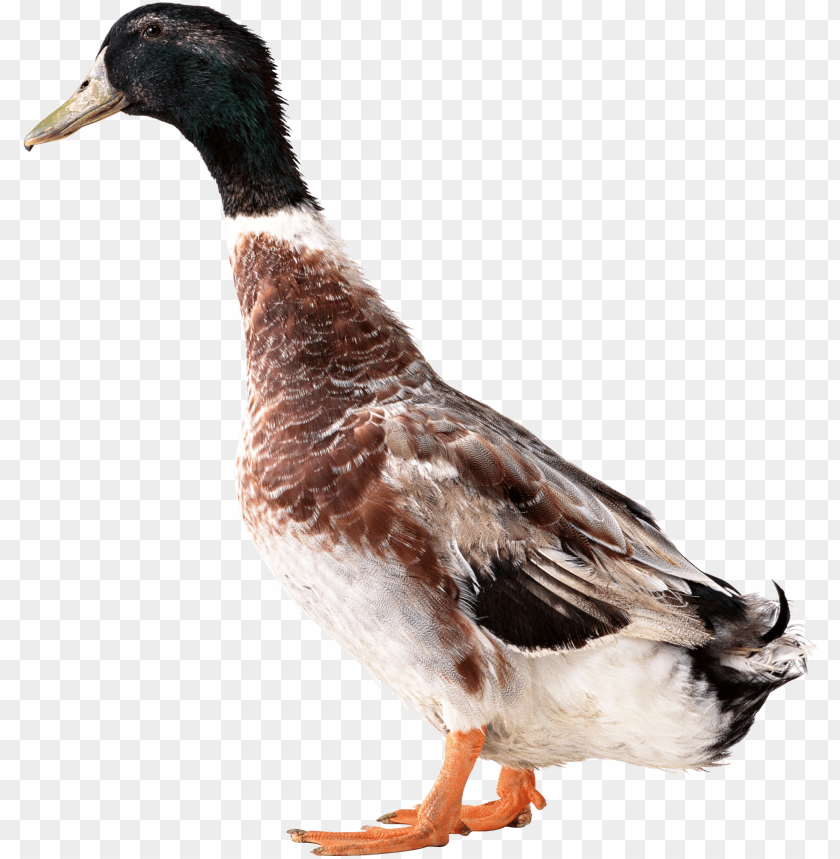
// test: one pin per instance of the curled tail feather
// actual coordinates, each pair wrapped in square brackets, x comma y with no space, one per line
[782,621]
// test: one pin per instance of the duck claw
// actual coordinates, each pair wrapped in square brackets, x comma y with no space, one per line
[521,819]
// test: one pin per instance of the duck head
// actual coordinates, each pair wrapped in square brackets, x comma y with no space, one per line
[214,80]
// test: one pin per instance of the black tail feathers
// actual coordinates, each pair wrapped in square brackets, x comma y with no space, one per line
[779,627]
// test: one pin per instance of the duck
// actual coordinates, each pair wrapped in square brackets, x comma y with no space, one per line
[534,615]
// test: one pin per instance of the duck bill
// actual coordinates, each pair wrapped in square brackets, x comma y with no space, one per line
[93,100]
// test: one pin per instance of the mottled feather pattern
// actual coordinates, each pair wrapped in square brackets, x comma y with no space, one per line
[351,436]
[319,370]
[325,360]
[462,543]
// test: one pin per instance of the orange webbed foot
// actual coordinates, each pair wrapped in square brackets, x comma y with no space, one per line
[372,840]
[516,790]
[434,819]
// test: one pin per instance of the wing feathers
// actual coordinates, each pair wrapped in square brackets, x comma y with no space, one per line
[574,595]
[662,612]
[524,613]
[585,561]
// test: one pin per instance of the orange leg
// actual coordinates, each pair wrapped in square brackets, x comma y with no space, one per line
[516,790]
[435,818]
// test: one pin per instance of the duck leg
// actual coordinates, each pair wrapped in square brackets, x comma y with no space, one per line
[434,819]
[516,790]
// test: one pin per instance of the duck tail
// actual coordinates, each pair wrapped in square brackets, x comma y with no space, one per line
[776,656]
[755,650]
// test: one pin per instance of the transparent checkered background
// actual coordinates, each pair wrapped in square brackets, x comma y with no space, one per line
[614,224]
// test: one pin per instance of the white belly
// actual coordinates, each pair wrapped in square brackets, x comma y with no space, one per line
[619,699]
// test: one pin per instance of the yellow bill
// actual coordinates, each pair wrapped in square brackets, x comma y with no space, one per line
[93,100]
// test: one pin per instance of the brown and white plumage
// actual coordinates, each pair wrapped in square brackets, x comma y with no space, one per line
[364,475]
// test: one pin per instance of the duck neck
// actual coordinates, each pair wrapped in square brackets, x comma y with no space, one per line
[247,151]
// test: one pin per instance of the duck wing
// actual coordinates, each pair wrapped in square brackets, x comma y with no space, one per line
[547,556]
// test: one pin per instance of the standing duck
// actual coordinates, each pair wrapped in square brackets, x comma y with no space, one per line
[531,613]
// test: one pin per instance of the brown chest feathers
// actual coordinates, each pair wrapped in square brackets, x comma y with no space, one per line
[324,356]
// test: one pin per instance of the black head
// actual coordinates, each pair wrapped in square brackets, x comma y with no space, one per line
[215,81]
[183,64]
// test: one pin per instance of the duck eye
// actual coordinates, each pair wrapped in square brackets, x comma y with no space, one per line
[152,31]
[84,85]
